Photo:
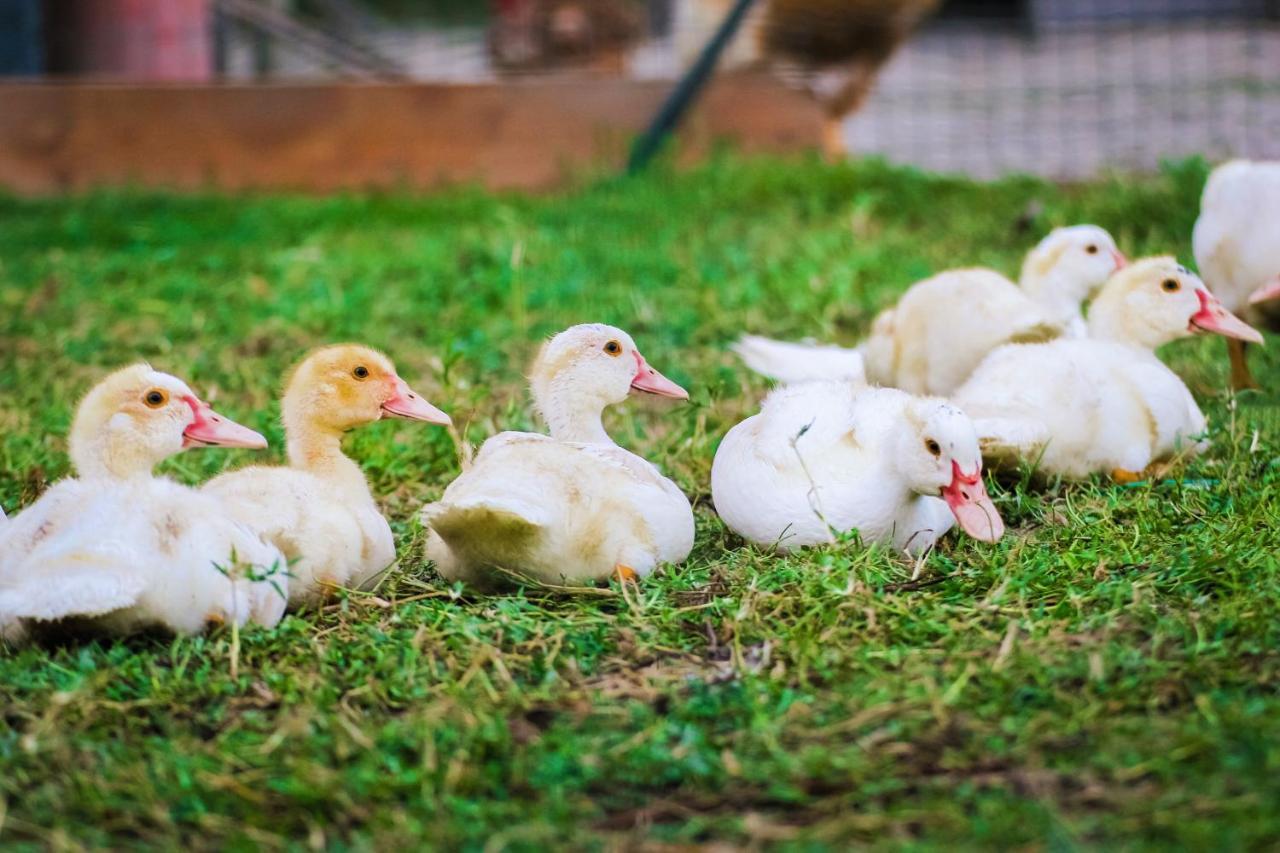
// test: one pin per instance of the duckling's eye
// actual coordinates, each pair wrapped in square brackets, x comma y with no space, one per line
[361,372]
[1091,249]
[933,447]
[613,348]
[155,398]
[1170,285]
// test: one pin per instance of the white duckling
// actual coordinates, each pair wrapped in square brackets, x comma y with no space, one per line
[319,510]
[1237,245]
[827,457]
[1105,403]
[572,507]
[126,550]
[944,326]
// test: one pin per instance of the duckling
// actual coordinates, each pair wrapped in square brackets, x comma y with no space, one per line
[944,326]
[319,510]
[1237,246]
[1105,403]
[826,457]
[571,507]
[124,550]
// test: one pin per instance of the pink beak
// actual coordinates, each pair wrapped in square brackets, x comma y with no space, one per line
[652,382]
[967,497]
[1212,317]
[404,403]
[1268,291]
[210,429]
[1120,259]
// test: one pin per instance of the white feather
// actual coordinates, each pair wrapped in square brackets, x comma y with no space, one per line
[567,508]
[822,458]
[799,362]
[132,554]
[1081,407]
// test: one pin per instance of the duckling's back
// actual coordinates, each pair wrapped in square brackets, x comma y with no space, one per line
[1088,406]
[143,554]
[944,326]
[557,512]
[333,536]
[791,474]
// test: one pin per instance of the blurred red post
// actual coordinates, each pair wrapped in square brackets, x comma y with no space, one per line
[154,40]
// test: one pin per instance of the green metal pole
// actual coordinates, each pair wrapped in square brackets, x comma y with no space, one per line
[686,90]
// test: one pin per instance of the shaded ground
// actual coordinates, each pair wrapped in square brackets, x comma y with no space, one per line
[1105,675]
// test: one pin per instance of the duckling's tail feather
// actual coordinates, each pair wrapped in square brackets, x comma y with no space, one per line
[790,363]
[1036,333]
[493,519]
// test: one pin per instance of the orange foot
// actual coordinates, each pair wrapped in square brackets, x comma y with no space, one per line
[625,573]
[1120,475]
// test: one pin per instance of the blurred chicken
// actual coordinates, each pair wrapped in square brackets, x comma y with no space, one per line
[838,46]
[546,35]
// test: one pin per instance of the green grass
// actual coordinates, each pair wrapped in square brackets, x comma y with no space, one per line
[1105,676]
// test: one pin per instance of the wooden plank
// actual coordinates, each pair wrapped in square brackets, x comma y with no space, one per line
[534,134]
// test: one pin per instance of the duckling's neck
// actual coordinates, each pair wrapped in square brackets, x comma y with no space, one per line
[571,416]
[1058,294]
[318,450]
[1108,321]
[111,457]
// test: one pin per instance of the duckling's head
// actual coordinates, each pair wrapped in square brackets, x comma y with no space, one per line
[938,455]
[137,416]
[1075,260]
[586,368]
[340,387]
[1157,300]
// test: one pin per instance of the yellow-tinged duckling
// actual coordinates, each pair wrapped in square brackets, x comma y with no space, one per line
[319,510]
[944,326]
[125,550]
[1104,403]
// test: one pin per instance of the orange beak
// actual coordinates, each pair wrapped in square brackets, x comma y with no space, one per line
[1120,259]
[210,429]
[652,382]
[405,403]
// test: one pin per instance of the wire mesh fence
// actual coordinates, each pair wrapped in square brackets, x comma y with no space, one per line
[1074,91]
[1058,88]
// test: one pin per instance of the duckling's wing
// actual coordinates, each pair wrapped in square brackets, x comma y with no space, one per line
[1011,438]
[817,415]
[75,582]
[502,441]
[54,513]
[789,363]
